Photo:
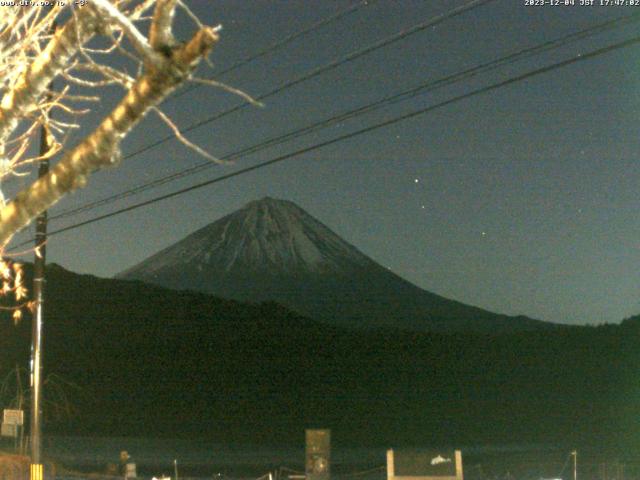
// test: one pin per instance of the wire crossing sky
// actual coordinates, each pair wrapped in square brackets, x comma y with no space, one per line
[578,58]
[402,96]
[515,193]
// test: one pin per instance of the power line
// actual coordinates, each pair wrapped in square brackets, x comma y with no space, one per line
[395,98]
[281,43]
[334,64]
[377,126]
[471,5]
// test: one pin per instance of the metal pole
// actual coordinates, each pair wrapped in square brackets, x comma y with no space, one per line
[575,464]
[36,327]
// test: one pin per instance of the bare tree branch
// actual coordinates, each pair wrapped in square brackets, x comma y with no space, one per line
[101,148]
[160,34]
[24,96]
[184,140]
[115,17]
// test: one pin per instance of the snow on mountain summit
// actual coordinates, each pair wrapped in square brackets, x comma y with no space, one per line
[272,250]
[265,235]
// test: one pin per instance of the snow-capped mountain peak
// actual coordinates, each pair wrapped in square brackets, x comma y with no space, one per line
[272,250]
[265,235]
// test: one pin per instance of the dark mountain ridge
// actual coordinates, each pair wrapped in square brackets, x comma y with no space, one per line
[272,250]
[152,361]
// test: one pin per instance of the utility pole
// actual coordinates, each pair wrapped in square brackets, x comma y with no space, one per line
[37,468]
[36,325]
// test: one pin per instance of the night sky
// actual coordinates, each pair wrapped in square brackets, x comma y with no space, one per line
[522,200]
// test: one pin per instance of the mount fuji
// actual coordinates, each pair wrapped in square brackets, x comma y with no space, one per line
[272,250]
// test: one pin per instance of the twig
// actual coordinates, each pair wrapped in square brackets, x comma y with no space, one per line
[240,93]
[184,140]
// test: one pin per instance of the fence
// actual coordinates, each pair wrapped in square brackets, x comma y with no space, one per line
[498,467]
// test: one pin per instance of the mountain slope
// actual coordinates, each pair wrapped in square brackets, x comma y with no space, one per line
[273,250]
[152,361]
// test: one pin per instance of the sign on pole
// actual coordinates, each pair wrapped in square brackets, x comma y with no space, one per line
[13,417]
[318,454]
[9,430]
[424,465]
